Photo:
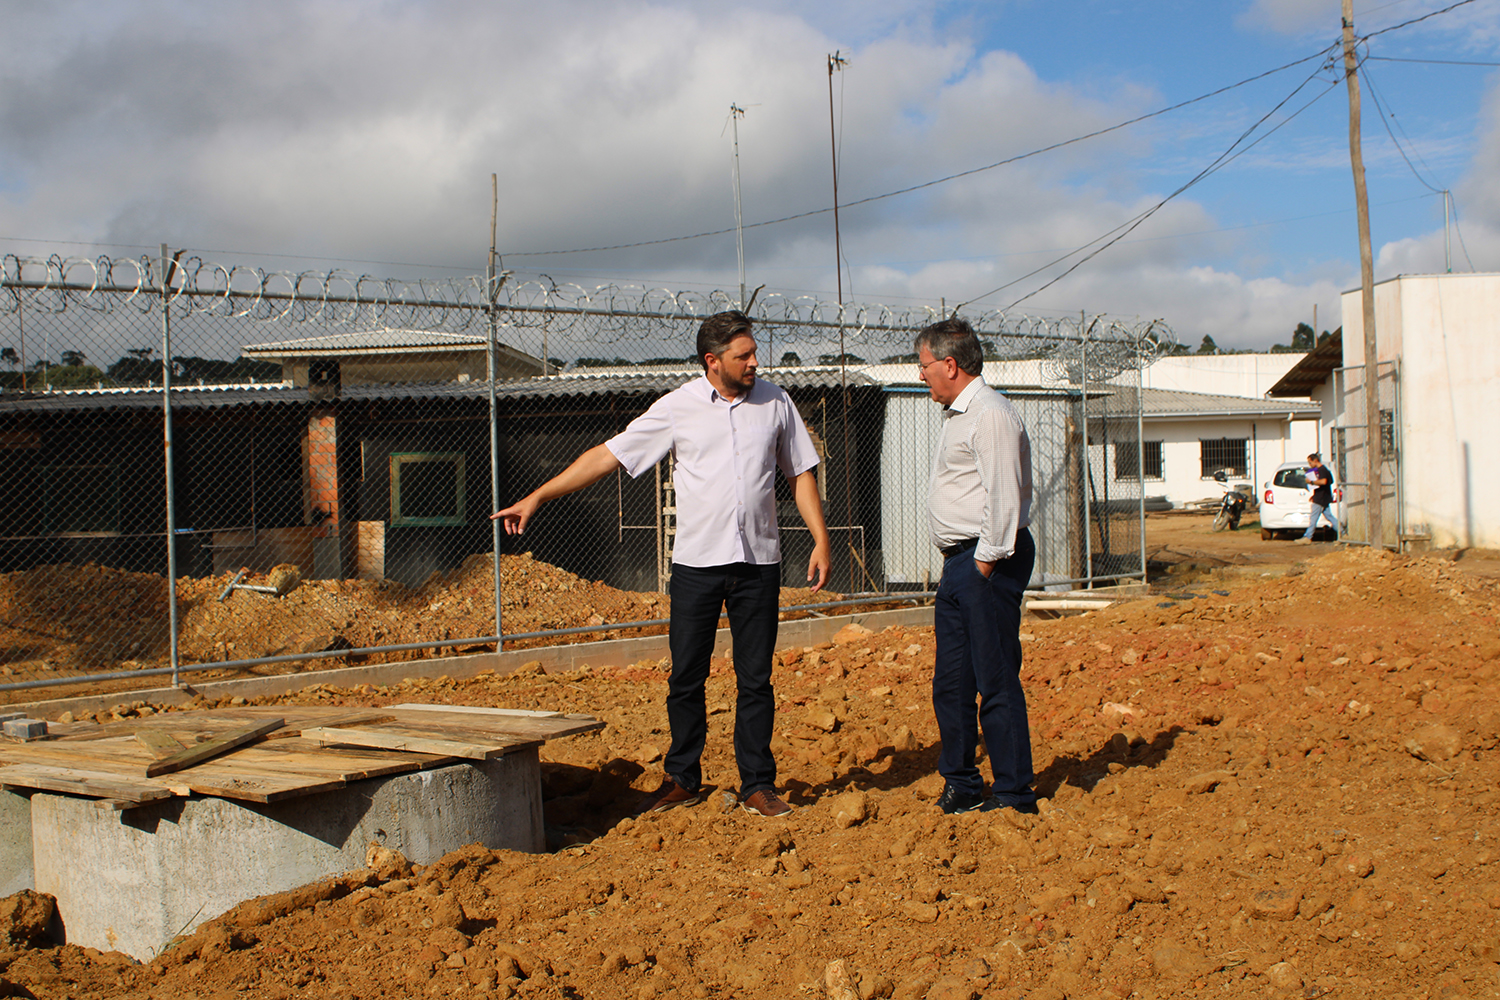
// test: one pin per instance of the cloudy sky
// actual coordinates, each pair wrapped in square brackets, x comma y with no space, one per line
[361,135]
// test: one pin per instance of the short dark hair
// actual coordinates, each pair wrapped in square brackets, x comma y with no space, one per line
[717,332]
[1315,457]
[953,338]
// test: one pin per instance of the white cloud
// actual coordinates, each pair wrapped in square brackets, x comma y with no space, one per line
[363,132]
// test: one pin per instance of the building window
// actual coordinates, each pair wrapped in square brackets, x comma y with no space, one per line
[80,499]
[1229,454]
[1128,467]
[427,488]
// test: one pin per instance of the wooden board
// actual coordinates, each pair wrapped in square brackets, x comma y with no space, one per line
[190,756]
[75,781]
[425,740]
[159,742]
[528,727]
[108,762]
[480,710]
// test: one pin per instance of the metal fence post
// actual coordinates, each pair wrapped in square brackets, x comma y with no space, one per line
[168,265]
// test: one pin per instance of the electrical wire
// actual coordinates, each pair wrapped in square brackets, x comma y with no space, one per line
[950,177]
[1435,62]
[1415,20]
[1385,116]
[1118,233]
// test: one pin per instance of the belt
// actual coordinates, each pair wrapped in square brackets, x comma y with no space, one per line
[949,551]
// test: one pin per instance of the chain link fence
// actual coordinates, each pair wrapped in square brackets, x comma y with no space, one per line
[225,468]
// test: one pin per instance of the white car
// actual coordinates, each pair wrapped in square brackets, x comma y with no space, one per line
[1284,506]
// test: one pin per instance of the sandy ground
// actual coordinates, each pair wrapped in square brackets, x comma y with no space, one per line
[1274,777]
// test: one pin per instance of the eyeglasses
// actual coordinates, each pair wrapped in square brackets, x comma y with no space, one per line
[921,368]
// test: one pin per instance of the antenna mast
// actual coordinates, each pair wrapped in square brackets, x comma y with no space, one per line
[735,114]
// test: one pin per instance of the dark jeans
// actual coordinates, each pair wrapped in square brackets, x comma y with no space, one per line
[749,593]
[978,625]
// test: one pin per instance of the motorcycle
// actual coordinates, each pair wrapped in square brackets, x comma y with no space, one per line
[1231,507]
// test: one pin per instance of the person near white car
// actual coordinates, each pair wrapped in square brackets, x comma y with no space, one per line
[1320,478]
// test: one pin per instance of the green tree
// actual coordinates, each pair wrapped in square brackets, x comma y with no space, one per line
[72,359]
[1208,346]
[791,359]
[847,359]
[1304,338]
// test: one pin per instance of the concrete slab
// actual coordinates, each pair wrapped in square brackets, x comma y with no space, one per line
[131,881]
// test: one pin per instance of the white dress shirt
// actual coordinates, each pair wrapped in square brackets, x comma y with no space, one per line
[724,459]
[981,474]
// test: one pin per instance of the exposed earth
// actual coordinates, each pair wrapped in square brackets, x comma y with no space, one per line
[1274,776]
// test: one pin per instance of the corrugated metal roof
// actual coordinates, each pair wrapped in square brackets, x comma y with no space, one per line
[1177,403]
[1313,370]
[367,341]
[539,387]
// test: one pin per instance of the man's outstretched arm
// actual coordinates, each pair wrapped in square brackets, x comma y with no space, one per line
[587,469]
[810,506]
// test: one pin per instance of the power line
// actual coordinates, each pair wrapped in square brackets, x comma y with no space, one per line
[941,180]
[1121,231]
[1436,62]
[1415,20]
[1385,115]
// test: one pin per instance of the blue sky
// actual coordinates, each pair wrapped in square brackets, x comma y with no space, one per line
[355,135]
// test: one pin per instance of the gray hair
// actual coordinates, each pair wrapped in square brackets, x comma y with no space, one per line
[953,338]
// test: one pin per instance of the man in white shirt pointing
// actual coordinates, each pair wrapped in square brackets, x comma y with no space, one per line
[978,512]
[727,432]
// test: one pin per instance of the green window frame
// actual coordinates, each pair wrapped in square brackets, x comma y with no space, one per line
[427,489]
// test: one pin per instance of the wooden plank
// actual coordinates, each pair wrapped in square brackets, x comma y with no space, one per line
[160,742]
[75,781]
[264,789]
[479,710]
[397,738]
[510,726]
[213,748]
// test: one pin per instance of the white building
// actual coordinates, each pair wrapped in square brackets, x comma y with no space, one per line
[1438,360]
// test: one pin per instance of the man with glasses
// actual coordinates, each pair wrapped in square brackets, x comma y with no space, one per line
[727,432]
[978,512]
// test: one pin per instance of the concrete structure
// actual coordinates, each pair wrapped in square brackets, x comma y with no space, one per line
[131,881]
[1439,354]
[15,844]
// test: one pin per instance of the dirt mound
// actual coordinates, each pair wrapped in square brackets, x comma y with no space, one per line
[59,620]
[1287,788]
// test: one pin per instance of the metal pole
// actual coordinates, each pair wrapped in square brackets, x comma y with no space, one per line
[1140,442]
[492,290]
[1374,516]
[735,112]
[1447,233]
[1088,479]
[168,265]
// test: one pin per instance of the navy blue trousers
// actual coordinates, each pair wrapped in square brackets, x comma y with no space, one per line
[978,624]
[748,593]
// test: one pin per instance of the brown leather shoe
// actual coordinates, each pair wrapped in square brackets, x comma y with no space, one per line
[765,803]
[668,796]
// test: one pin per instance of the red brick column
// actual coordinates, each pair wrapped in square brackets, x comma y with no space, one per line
[321,470]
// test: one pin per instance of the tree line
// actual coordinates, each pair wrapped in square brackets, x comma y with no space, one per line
[74,370]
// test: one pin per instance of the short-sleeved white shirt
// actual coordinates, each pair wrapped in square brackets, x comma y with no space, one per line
[724,458]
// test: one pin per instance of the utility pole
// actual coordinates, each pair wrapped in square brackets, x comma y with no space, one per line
[1373,456]
[735,114]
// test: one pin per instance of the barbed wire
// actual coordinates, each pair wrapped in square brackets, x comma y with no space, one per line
[566,315]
